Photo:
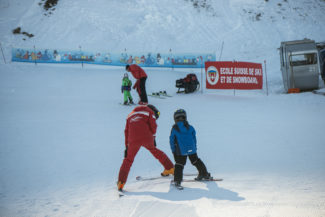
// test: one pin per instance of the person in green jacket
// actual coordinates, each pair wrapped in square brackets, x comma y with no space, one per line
[126,89]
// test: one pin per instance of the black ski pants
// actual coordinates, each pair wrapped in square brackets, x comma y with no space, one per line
[181,161]
[143,92]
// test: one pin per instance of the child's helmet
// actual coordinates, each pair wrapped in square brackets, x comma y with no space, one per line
[155,110]
[180,115]
[126,75]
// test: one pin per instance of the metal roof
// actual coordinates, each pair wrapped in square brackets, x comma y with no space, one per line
[299,45]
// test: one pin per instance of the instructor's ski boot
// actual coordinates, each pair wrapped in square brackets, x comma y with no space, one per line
[201,177]
[125,103]
[143,103]
[120,186]
[168,172]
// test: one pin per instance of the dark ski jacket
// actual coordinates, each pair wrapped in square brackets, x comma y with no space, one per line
[183,139]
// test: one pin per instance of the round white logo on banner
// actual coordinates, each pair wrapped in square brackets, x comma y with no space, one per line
[212,75]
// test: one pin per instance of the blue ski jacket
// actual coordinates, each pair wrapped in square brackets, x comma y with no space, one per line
[183,139]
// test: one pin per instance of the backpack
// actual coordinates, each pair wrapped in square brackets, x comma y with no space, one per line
[190,83]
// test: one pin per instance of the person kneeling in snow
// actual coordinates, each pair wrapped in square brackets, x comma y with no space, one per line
[140,131]
[183,143]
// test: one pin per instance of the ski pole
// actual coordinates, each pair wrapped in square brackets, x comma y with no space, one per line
[221,51]
[267,89]
[3,56]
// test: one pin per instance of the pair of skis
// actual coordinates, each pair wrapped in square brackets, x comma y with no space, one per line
[161,94]
[179,187]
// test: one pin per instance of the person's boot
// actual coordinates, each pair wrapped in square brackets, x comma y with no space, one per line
[201,168]
[168,172]
[125,103]
[143,103]
[120,186]
[206,176]
[178,185]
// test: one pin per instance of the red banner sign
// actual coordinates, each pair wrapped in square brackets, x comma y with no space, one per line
[233,75]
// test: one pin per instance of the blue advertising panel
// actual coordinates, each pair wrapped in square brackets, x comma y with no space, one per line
[177,60]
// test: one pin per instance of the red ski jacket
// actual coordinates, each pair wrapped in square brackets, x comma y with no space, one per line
[137,71]
[140,126]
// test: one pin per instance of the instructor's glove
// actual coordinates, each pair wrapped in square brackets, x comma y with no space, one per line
[126,152]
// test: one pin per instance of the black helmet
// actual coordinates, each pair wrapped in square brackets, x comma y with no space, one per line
[180,115]
[155,110]
[127,67]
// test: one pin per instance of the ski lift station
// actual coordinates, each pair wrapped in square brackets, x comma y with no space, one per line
[299,65]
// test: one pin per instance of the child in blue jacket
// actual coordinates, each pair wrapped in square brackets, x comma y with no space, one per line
[183,143]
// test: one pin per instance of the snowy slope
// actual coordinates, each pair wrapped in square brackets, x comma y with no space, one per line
[61,126]
[62,146]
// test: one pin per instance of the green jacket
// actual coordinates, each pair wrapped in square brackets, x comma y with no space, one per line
[126,84]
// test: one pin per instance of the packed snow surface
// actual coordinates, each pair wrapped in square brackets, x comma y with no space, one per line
[62,126]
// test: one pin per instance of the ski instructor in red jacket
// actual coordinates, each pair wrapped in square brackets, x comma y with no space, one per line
[140,85]
[140,131]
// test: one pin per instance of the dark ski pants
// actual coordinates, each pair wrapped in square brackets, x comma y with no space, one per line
[143,93]
[181,161]
[132,151]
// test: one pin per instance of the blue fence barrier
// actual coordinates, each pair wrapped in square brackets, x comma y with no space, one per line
[179,60]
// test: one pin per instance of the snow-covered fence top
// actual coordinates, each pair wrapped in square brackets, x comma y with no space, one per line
[176,60]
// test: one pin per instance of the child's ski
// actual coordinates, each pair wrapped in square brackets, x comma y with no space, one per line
[140,178]
[203,180]
[128,104]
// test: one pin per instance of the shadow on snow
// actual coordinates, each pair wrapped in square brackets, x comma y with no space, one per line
[213,192]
